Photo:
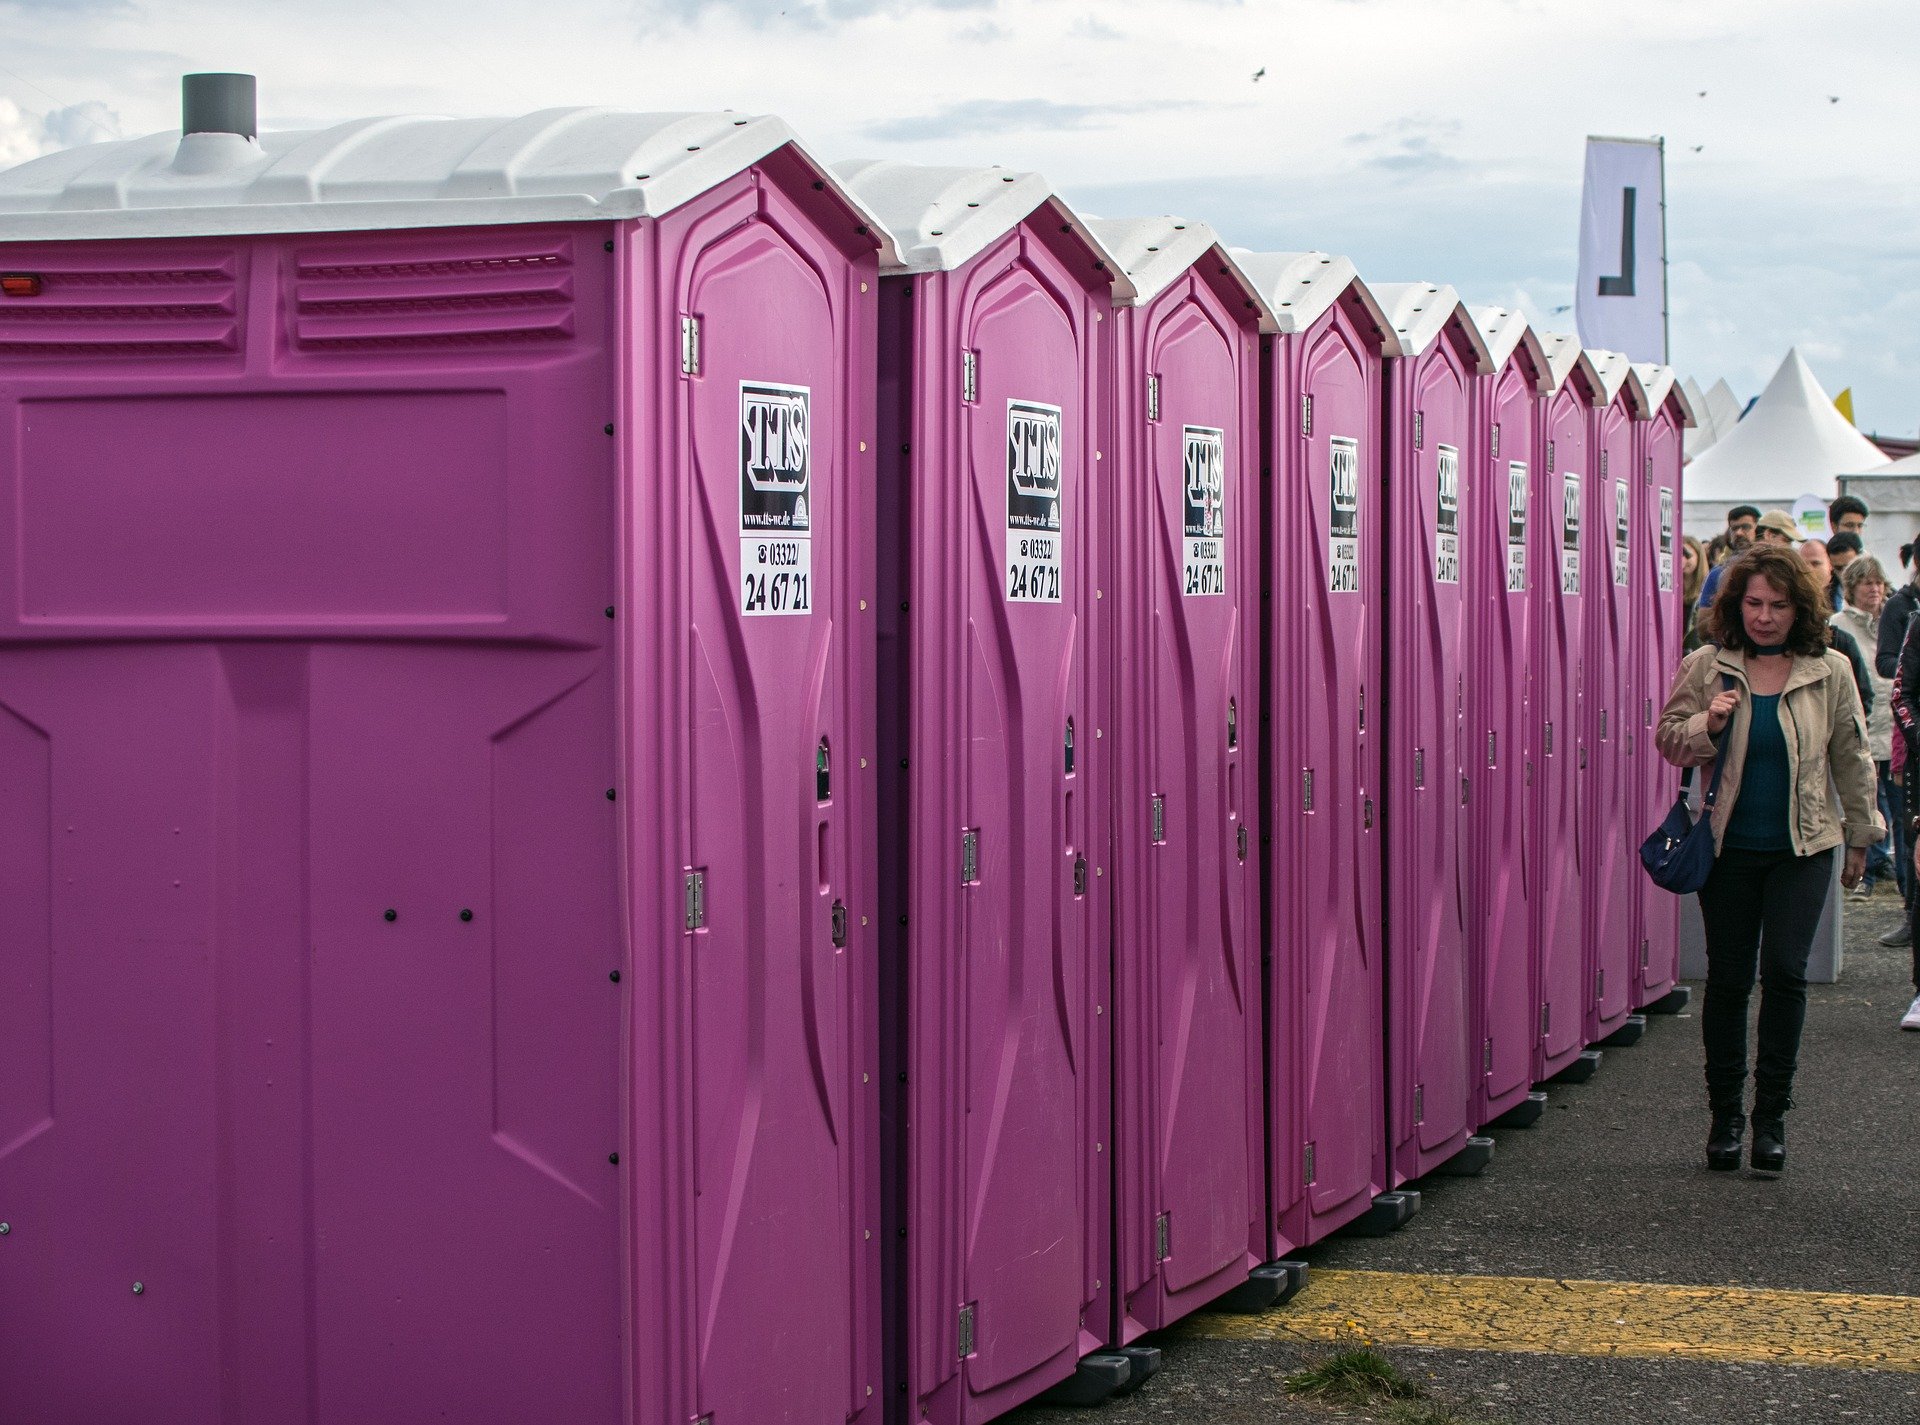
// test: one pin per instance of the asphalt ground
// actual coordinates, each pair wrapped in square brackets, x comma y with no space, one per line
[1756,1298]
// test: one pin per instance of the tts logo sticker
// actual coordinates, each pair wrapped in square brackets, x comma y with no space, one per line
[1033,503]
[1343,522]
[1516,526]
[776,518]
[1204,474]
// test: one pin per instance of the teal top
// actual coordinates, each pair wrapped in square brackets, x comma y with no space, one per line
[1758,821]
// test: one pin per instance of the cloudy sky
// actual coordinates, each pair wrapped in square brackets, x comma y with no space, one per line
[1437,140]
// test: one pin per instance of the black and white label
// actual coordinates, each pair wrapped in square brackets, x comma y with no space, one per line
[1204,471]
[1033,503]
[1343,522]
[1622,532]
[1446,526]
[1666,540]
[1516,526]
[776,496]
[1570,535]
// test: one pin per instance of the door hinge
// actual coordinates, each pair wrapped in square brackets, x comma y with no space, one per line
[1366,813]
[1079,876]
[1549,739]
[1306,1163]
[1603,465]
[1162,1237]
[696,899]
[1418,432]
[1306,789]
[969,375]
[1646,715]
[1240,840]
[839,925]
[1493,748]
[1464,792]
[1649,475]
[1419,1103]
[969,856]
[1529,771]
[1646,953]
[1600,983]
[1549,457]
[689,346]
[966,1331]
[1306,413]
[1496,441]
[1486,1057]
[1603,724]
[1153,398]
[1158,817]
[1583,759]
[1419,766]
[1546,1019]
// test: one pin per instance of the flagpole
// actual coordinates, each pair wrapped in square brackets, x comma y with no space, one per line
[1666,330]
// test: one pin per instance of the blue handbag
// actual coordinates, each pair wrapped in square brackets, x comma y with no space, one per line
[1679,854]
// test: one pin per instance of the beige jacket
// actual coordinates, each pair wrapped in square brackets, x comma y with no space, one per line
[1826,744]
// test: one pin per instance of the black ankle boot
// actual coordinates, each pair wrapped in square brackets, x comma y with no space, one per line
[1769,1140]
[1723,1139]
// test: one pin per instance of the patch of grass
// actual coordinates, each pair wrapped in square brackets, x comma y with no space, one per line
[1354,1375]
[1429,1412]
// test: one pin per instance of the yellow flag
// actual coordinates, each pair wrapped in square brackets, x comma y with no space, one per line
[1843,403]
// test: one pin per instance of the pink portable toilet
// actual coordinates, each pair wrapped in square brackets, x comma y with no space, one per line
[1432,509]
[1184,665]
[1662,620]
[1499,575]
[993,784]
[1324,523]
[436,678]
[1610,835]
[1566,577]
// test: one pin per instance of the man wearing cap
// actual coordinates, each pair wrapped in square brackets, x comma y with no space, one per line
[1774,527]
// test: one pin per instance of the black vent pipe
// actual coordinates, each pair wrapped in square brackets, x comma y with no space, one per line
[219,104]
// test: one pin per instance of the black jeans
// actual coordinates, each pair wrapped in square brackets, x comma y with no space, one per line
[1761,909]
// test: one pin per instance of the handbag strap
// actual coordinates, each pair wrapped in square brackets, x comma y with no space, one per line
[1719,757]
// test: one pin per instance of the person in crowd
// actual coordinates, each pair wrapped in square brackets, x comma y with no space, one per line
[1842,550]
[1906,742]
[1895,615]
[1866,591]
[1742,523]
[1813,553]
[1693,573]
[1848,515]
[1772,698]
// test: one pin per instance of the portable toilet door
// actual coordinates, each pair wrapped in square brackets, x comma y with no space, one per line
[1662,620]
[450,961]
[1608,735]
[993,775]
[1559,548]
[1190,1194]
[1499,574]
[1432,501]
[1323,523]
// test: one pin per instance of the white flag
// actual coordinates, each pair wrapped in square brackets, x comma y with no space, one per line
[1620,303]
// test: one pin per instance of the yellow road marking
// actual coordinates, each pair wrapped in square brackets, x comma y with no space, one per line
[1587,1318]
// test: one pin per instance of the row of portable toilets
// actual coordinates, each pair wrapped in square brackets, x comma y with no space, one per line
[644,781]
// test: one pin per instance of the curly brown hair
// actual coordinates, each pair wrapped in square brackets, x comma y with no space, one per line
[1781,566]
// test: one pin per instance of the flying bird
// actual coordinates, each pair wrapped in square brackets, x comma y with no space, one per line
[1703,93]
[1697,147]
[1833,98]
[1259,74]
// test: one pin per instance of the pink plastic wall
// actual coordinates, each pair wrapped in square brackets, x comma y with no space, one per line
[1564,570]
[1502,569]
[1612,866]
[1662,621]
[1000,982]
[1189,1103]
[366,696]
[1432,499]
[1327,1132]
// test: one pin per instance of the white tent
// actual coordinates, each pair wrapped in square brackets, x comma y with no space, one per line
[1715,413]
[1792,443]
[1892,492]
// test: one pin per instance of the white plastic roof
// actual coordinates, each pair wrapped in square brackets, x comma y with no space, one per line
[1615,372]
[1299,288]
[1155,252]
[940,218]
[1792,443]
[1702,433]
[1659,384]
[1417,312]
[1505,331]
[556,164]
[1564,357]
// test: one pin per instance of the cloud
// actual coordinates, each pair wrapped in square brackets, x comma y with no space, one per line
[974,117]
[1410,145]
[812,14]
[1092,27]
[88,122]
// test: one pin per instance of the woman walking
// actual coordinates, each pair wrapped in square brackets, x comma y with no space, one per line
[1865,587]
[1778,706]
